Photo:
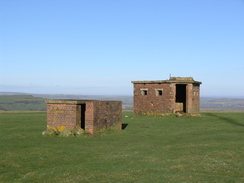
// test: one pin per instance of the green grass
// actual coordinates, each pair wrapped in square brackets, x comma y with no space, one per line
[150,149]
[21,103]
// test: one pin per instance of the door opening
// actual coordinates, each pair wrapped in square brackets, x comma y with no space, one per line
[83,116]
[180,98]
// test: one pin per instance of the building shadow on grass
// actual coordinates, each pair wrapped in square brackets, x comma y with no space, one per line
[228,120]
[124,125]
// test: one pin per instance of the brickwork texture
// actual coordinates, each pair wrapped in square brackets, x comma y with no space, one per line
[166,96]
[92,116]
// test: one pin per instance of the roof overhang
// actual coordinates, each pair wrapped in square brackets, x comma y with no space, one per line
[175,80]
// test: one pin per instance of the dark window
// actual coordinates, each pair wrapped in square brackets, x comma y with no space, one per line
[144,91]
[159,92]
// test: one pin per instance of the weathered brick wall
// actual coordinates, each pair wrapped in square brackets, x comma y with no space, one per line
[62,115]
[192,98]
[89,117]
[176,94]
[158,104]
[189,98]
[179,106]
[195,98]
[107,114]
[98,114]
[153,103]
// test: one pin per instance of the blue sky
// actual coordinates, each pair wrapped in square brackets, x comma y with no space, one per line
[98,47]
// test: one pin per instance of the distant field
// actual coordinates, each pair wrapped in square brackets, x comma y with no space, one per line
[222,104]
[150,149]
[21,103]
[36,102]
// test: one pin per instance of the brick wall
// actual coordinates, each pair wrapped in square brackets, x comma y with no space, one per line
[192,98]
[89,120]
[153,102]
[189,98]
[62,115]
[195,98]
[107,114]
[98,114]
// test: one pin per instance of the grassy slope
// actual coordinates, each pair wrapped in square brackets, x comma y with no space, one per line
[150,149]
[21,103]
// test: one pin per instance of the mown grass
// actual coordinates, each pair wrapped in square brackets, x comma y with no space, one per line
[150,149]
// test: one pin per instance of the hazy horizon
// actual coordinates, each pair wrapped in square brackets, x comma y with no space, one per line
[99,47]
[130,95]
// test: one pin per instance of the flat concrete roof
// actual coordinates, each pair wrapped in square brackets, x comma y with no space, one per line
[73,101]
[68,101]
[179,80]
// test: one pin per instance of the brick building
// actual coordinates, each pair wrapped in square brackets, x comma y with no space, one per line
[90,115]
[178,94]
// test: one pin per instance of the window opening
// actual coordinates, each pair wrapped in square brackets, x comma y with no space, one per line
[144,91]
[159,92]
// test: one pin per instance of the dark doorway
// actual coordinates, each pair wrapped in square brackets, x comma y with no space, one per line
[83,116]
[180,98]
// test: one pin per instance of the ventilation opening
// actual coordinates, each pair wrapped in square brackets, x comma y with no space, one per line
[180,98]
[144,91]
[159,92]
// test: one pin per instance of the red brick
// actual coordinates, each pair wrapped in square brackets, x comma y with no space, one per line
[98,114]
[153,103]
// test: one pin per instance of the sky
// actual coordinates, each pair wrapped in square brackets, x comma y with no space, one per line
[97,47]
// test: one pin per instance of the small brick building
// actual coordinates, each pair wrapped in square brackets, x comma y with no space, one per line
[178,94]
[90,115]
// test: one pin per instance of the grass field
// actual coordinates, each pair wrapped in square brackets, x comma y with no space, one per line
[150,149]
[21,103]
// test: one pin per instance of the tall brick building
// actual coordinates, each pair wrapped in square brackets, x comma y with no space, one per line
[178,94]
[90,115]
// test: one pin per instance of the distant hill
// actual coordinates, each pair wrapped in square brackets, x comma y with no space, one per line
[21,103]
[222,104]
[36,102]
[127,101]
[13,93]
